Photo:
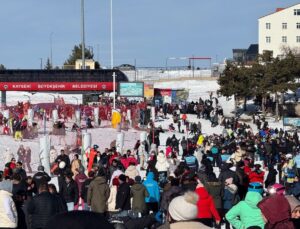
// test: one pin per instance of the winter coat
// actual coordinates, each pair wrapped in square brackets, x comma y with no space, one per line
[162,164]
[271,178]
[75,165]
[173,163]
[152,188]
[41,177]
[98,194]
[132,172]
[79,220]
[139,193]
[192,162]
[111,202]
[8,211]
[277,211]
[69,191]
[227,173]
[183,225]
[123,197]
[168,196]
[206,206]
[229,196]
[255,176]
[41,208]
[246,213]
[84,189]
[80,179]
[215,190]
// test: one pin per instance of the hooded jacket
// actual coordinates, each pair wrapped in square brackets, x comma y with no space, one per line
[8,212]
[98,194]
[206,206]
[162,164]
[277,211]
[152,188]
[139,193]
[246,213]
[132,172]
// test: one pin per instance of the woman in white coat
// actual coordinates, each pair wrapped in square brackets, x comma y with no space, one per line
[8,211]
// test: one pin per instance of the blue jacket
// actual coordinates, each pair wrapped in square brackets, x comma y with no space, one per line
[152,188]
[191,162]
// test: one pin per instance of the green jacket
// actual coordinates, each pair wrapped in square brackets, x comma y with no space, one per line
[246,213]
[139,193]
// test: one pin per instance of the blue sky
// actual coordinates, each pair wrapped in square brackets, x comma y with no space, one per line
[146,30]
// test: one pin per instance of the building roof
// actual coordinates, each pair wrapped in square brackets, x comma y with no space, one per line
[279,10]
[252,50]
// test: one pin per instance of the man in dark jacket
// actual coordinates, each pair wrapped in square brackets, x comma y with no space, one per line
[227,173]
[41,177]
[69,192]
[98,193]
[167,196]
[42,207]
[85,187]
[62,169]
[123,194]
[138,194]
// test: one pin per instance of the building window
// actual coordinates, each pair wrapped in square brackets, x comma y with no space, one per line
[298,39]
[268,39]
[297,12]
[298,25]
[268,25]
[284,39]
[284,25]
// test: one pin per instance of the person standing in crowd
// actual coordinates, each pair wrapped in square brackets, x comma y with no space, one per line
[61,202]
[139,193]
[191,161]
[98,193]
[63,162]
[80,178]
[111,202]
[276,212]
[41,177]
[257,175]
[42,207]
[75,165]
[123,194]
[21,153]
[246,214]
[182,213]
[206,207]
[162,167]
[84,189]
[152,201]
[19,170]
[132,171]
[27,159]
[167,196]
[69,192]
[8,211]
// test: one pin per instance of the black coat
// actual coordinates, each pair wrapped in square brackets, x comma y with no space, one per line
[123,197]
[84,189]
[41,178]
[271,178]
[41,208]
[70,192]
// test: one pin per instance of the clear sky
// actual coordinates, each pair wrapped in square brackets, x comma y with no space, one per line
[146,30]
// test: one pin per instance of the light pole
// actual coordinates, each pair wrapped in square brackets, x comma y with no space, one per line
[41,63]
[51,60]
[76,99]
[112,53]
[27,97]
[82,36]
[53,97]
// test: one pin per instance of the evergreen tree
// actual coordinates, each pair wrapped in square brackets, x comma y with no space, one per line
[77,54]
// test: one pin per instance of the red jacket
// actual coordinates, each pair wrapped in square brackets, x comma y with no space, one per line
[206,206]
[256,177]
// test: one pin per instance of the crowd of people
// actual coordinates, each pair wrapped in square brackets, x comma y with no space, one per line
[239,179]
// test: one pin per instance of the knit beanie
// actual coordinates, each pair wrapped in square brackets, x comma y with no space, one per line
[6,185]
[293,202]
[184,207]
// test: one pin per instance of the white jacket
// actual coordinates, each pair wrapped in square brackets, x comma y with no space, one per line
[162,164]
[112,199]
[8,211]
[132,172]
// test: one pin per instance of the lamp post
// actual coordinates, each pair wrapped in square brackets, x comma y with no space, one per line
[51,60]
[82,36]
[53,97]
[112,53]
[27,97]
